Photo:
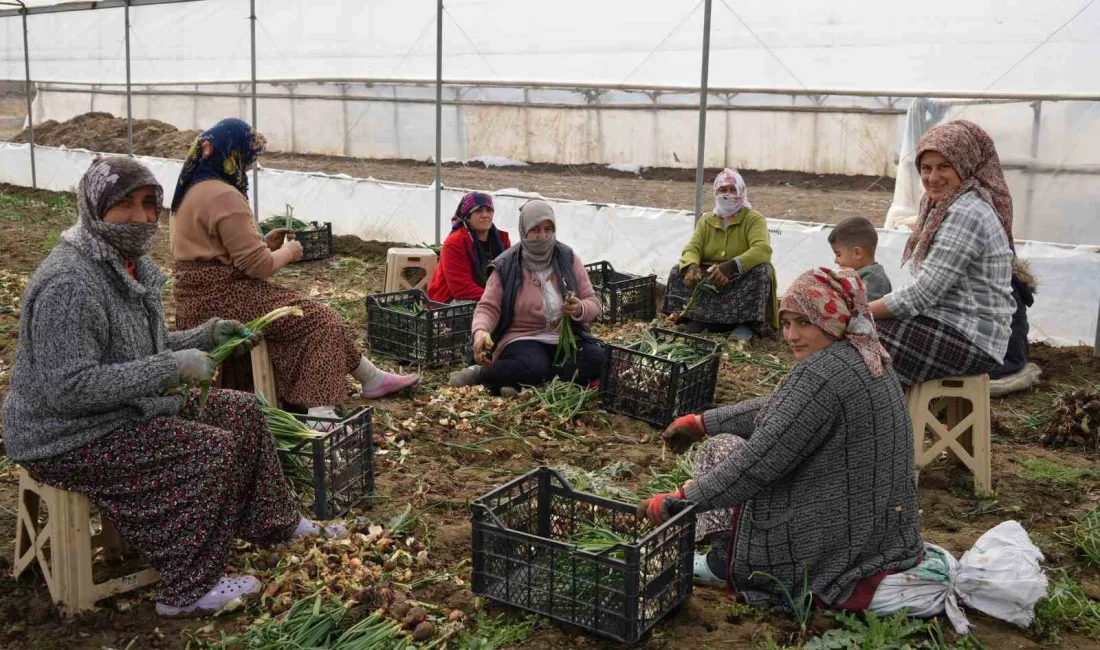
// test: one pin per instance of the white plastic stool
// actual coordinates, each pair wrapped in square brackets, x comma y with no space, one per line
[399,260]
[956,411]
[63,546]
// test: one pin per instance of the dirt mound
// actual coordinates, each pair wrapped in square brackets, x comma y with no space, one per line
[107,133]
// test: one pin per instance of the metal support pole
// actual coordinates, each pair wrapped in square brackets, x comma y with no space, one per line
[129,97]
[255,170]
[702,112]
[27,90]
[438,120]
[1096,343]
[1029,201]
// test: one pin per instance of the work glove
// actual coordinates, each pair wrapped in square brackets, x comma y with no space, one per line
[692,275]
[195,366]
[721,274]
[662,507]
[684,431]
[227,330]
[483,345]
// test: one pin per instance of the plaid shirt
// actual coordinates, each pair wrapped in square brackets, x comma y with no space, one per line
[965,280]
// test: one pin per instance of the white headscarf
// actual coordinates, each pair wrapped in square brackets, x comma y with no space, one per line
[727,205]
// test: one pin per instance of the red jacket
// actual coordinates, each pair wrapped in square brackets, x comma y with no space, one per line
[454,277]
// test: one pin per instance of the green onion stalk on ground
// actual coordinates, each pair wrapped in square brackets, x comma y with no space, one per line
[222,352]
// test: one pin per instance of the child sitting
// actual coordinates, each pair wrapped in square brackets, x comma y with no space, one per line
[854,241]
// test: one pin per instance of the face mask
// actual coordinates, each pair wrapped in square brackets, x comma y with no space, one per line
[727,204]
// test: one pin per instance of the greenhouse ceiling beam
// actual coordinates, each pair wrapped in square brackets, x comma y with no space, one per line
[713,90]
[81,6]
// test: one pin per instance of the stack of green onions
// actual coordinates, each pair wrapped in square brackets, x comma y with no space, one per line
[681,351]
[314,622]
[222,352]
[597,539]
[567,340]
[289,432]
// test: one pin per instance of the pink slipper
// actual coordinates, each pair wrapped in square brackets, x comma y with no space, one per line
[391,383]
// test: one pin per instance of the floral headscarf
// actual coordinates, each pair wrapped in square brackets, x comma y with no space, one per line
[972,154]
[837,303]
[726,207]
[235,144]
[108,181]
[461,219]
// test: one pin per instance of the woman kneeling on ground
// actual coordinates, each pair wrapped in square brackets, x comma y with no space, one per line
[731,250]
[955,318]
[816,478]
[223,266]
[97,404]
[532,287]
[468,251]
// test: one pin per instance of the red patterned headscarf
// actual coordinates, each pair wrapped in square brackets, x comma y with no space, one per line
[972,154]
[836,301]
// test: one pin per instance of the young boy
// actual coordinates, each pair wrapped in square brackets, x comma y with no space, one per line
[854,241]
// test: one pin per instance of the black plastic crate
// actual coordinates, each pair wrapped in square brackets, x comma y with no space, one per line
[407,326]
[316,241]
[656,389]
[341,463]
[523,556]
[623,296]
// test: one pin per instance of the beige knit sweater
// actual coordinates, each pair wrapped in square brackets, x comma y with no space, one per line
[214,222]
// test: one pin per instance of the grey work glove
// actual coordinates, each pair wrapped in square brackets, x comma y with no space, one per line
[227,330]
[195,366]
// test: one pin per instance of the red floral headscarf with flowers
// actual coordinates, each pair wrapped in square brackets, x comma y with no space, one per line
[837,303]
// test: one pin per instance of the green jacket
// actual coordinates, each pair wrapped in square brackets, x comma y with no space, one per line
[746,240]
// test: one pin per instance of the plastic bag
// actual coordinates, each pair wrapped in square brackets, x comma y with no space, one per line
[999,576]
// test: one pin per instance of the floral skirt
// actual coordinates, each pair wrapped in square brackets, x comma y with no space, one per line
[745,301]
[180,489]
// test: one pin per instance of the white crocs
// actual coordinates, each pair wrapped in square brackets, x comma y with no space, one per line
[226,591]
[704,577]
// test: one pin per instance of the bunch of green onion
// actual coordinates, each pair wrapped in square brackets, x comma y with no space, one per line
[701,287]
[567,340]
[315,623]
[289,432]
[252,327]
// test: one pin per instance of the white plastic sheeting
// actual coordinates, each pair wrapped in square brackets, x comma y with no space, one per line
[636,240]
[936,45]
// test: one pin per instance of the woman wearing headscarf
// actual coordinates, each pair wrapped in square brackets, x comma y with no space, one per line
[99,402]
[955,318]
[224,266]
[730,251]
[814,480]
[533,286]
[468,251]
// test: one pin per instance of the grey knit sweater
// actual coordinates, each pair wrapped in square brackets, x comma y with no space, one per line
[825,480]
[94,354]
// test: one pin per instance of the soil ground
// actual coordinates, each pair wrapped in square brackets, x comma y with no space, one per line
[795,196]
[440,481]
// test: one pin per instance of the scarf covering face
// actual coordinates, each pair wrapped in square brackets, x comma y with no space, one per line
[109,180]
[461,219]
[837,303]
[727,205]
[972,154]
[235,146]
[537,253]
